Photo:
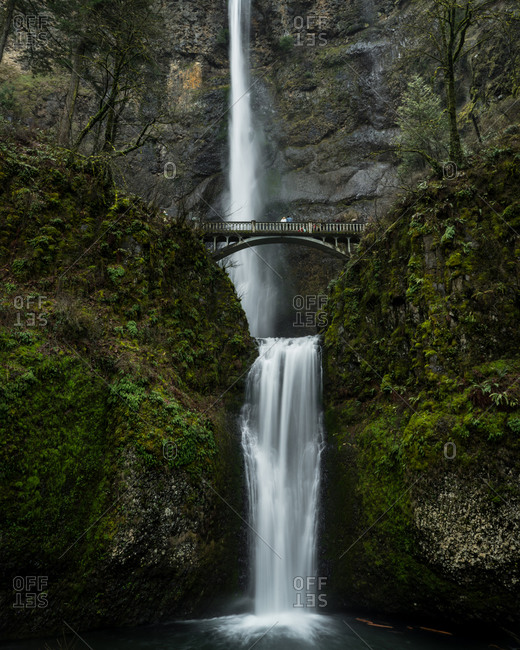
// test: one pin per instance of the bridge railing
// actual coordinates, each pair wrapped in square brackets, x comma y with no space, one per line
[309,227]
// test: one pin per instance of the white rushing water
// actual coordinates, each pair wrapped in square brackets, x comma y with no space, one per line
[251,272]
[281,431]
[281,428]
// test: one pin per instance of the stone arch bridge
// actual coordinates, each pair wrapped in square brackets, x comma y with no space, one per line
[227,237]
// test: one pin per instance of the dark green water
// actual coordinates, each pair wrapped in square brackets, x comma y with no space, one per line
[284,632]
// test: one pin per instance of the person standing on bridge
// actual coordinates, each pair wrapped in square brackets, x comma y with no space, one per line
[283,220]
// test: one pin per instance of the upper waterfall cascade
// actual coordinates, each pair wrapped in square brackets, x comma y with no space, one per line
[251,272]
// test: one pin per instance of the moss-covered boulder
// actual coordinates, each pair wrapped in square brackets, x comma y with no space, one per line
[122,350]
[422,374]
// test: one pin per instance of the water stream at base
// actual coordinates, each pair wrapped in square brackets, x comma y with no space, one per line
[245,632]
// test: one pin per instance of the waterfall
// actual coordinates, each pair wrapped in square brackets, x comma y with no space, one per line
[251,271]
[243,203]
[281,435]
[281,429]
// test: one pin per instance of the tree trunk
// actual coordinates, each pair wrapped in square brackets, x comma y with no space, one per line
[65,128]
[114,113]
[6,25]
[103,111]
[110,130]
[475,125]
[455,145]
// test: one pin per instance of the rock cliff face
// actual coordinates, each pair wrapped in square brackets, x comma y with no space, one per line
[422,498]
[122,347]
[330,106]
[321,104]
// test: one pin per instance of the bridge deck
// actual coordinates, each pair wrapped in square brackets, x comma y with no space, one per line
[280,228]
[228,237]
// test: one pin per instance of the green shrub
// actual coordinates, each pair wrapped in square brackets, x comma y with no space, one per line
[286,44]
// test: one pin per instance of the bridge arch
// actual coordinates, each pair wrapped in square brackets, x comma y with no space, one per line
[260,240]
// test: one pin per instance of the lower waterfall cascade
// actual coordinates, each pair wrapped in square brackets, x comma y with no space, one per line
[281,432]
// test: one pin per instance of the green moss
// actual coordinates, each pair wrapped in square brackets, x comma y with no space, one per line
[119,339]
[422,365]
[53,451]
[454,260]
